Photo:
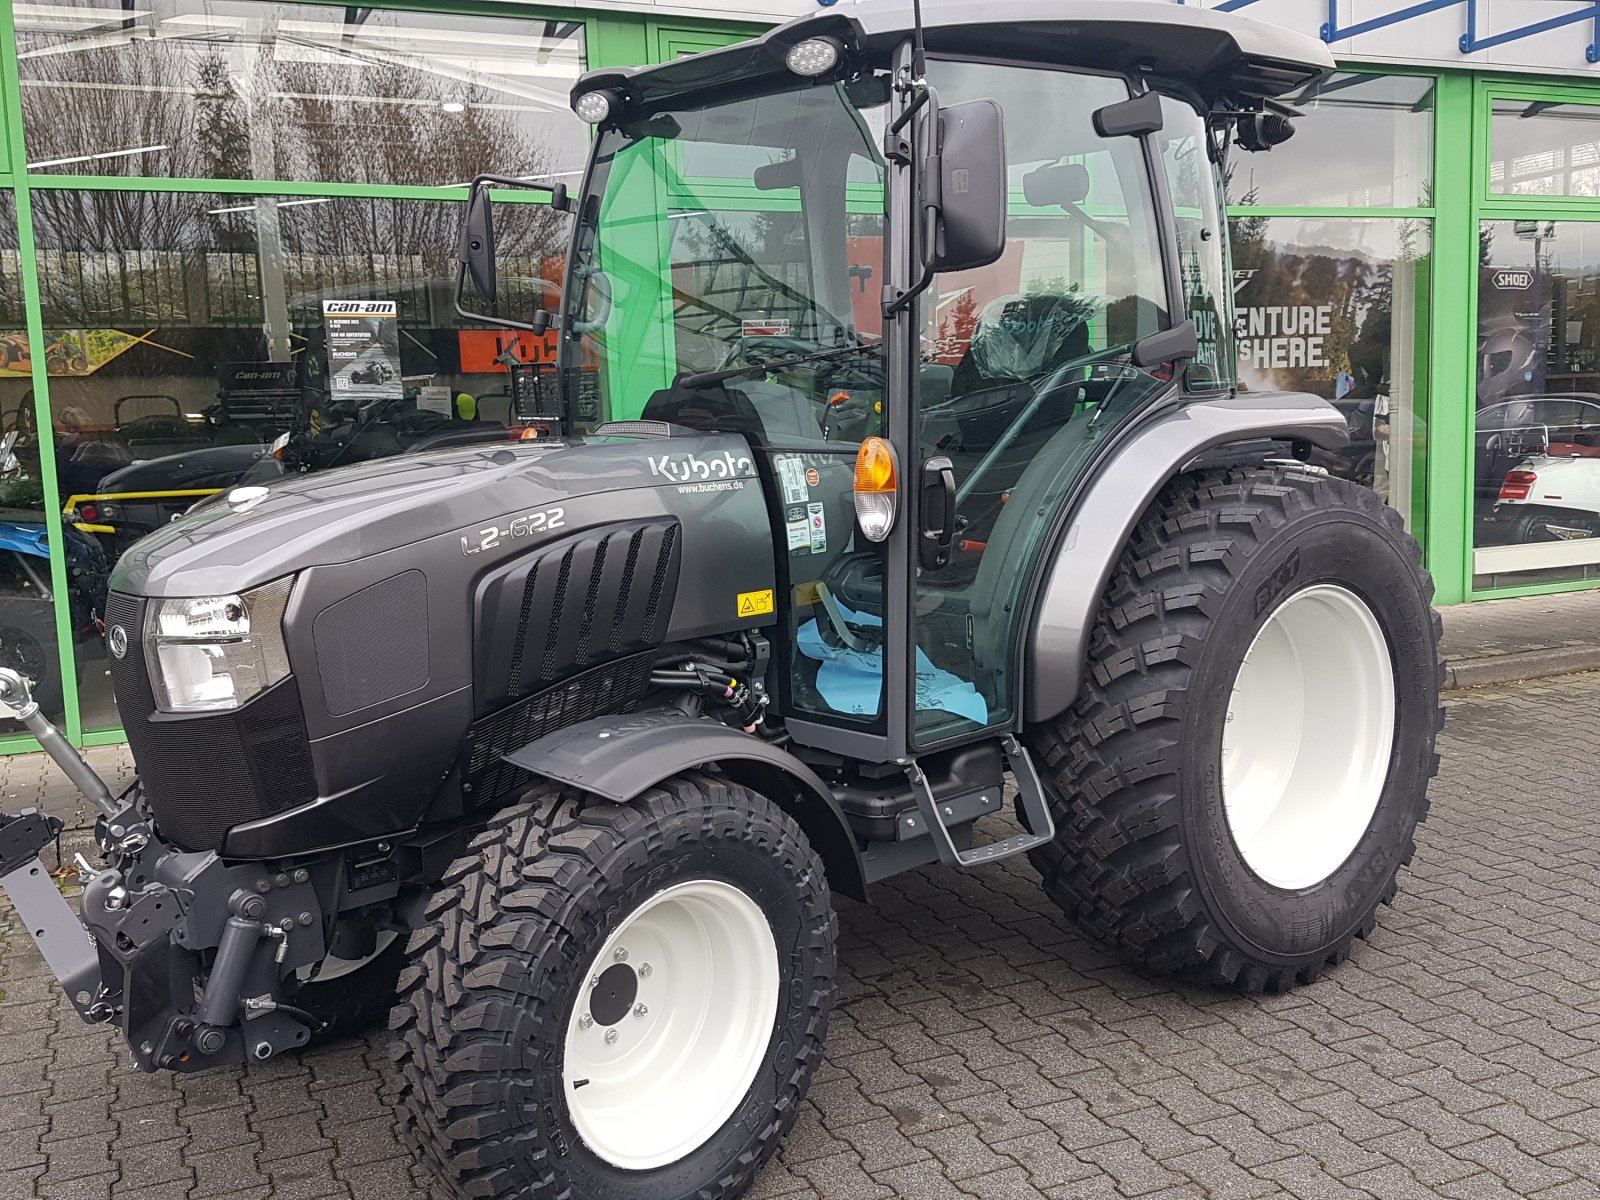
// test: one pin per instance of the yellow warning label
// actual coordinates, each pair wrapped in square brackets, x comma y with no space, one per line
[807,593]
[754,604]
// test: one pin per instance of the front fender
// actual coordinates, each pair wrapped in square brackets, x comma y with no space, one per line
[620,756]
[1097,527]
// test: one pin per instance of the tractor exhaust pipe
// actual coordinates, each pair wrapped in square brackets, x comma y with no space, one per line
[18,697]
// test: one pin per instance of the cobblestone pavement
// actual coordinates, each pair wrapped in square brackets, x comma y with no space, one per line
[981,1049]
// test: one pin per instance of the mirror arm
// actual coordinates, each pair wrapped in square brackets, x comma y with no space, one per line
[560,200]
[500,322]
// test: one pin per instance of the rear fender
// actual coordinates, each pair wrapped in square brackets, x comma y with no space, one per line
[619,757]
[1088,544]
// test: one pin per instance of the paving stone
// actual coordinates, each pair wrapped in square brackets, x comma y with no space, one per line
[984,1050]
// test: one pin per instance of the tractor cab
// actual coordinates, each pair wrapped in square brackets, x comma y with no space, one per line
[933,276]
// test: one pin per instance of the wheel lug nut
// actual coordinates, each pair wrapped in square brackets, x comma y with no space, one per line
[640,1010]
[594,981]
[620,954]
[611,1037]
[585,1021]
[644,970]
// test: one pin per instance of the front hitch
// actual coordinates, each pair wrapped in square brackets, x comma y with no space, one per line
[186,953]
[68,948]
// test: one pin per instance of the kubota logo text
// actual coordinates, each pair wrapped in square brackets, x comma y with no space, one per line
[692,468]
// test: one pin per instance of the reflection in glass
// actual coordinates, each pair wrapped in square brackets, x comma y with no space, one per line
[1362,141]
[186,332]
[28,641]
[1539,148]
[1537,437]
[231,89]
[1338,307]
[1192,183]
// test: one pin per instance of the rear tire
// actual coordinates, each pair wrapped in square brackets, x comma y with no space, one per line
[692,923]
[1294,605]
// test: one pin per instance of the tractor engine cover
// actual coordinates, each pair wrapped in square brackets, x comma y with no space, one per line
[432,594]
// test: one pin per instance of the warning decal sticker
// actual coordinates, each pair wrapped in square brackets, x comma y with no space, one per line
[755,604]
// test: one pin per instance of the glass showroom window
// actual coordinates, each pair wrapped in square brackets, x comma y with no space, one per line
[188,332]
[27,612]
[1337,306]
[1537,445]
[1363,141]
[1539,148]
[235,89]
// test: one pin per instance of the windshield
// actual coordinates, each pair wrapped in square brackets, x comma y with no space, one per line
[741,241]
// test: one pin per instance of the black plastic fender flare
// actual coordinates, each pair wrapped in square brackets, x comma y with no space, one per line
[1074,573]
[619,757]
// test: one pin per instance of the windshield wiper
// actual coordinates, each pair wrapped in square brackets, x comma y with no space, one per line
[707,378]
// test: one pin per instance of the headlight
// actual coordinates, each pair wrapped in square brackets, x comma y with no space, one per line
[210,653]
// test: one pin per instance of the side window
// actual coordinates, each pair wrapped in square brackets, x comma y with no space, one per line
[1203,271]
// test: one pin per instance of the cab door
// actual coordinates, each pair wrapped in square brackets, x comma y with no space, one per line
[1026,370]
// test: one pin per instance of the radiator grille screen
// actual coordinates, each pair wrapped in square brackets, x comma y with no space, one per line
[373,646]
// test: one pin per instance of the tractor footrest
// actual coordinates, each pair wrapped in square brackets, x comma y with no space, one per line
[1035,812]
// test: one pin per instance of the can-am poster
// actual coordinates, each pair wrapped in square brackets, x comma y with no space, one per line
[363,349]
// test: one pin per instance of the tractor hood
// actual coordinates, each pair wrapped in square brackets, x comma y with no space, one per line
[254,534]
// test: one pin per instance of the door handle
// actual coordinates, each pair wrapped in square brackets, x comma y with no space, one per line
[936,507]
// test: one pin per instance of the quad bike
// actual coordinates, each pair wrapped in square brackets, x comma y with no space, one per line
[577,737]
[371,373]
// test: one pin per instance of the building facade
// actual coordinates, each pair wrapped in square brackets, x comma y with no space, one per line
[219,218]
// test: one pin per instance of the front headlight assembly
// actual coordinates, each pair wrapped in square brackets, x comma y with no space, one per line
[210,653]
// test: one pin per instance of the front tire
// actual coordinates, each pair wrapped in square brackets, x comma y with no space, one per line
[618,1002]
[1240,780]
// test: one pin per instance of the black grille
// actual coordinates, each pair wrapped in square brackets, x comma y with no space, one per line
[373,646]
[204,774]
[573,605]
[615,687]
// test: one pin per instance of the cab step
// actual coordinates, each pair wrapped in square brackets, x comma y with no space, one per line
[1034,810]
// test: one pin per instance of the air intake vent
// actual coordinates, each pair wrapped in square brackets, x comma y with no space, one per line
[580,602]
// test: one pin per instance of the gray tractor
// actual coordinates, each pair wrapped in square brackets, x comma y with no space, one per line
[925,497]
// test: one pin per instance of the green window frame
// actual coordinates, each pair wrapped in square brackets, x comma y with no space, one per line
[1481,203]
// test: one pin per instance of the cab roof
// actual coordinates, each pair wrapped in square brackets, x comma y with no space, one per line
[1214,55]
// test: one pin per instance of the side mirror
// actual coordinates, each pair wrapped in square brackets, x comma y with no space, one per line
[1169,345]
[477,243]
[965,183]
[475,260]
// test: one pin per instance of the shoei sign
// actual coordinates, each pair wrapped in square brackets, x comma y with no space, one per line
[1512,280]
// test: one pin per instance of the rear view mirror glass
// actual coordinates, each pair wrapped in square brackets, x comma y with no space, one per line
[971,228]
[477,244]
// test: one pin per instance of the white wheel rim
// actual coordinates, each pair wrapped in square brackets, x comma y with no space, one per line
[667,1073]
[1308,737]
